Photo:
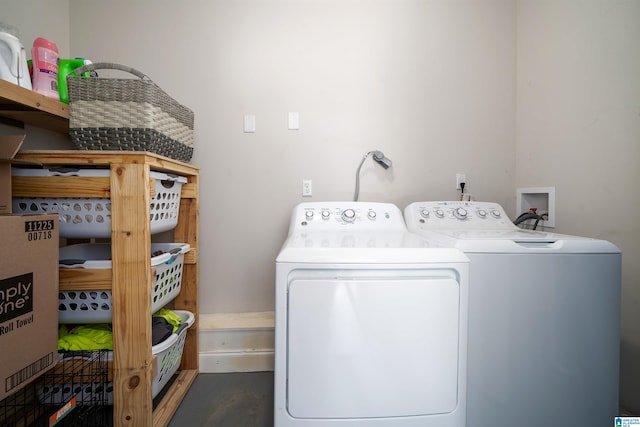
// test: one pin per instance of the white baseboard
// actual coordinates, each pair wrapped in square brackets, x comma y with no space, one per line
[236,342]
[219,362]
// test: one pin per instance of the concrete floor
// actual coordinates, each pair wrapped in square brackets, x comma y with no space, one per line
[227,400]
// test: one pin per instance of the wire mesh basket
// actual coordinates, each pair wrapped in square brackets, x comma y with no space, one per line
[79,398]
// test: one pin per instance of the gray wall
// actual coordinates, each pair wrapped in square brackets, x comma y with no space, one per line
[430,83]
[514,93]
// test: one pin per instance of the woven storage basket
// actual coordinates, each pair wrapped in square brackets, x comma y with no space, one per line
[127,114]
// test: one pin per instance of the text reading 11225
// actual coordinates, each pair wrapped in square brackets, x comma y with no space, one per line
[39,230]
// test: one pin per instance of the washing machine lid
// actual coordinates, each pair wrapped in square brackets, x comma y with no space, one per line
[366,247]
[516,241]
[485,227]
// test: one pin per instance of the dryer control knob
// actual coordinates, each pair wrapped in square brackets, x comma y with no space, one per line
[495,214]
[308,214]
[460,213]
[348,215]
[371,215]
[439,213]
[424,213]
[325,214]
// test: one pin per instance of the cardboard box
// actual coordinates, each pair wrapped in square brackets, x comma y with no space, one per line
[9,146]
[28,299]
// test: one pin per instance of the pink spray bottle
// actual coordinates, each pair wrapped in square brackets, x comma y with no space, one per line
[45,68]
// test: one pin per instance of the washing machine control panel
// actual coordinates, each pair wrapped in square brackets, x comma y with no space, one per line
[457,215]
[352,215]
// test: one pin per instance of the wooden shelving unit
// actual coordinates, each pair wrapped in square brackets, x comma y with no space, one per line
[130,189]
[20,106]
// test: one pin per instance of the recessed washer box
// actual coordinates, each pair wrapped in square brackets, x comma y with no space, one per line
[541,198]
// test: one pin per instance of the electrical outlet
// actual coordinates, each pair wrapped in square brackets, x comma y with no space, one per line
[306,188]
[460,177]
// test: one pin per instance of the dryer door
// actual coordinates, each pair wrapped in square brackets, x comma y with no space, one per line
[366,346]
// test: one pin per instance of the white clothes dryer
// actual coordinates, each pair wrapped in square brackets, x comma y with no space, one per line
[544,318]
[371,322]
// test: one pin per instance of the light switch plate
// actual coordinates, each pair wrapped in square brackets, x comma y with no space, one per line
[294,121]
[249,123]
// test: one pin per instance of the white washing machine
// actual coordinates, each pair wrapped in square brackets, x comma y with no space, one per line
[371,322]
[544,318]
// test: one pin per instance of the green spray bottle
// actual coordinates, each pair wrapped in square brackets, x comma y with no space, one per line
[65,66]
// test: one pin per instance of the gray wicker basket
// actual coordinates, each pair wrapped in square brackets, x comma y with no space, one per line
[127,114]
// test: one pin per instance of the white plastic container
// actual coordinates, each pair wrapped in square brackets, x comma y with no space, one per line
[95,306]
[13,60]
[91,217]
[169,354]
[45,68]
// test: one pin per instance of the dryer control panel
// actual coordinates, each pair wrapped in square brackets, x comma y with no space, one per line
[334,216]
[458,215]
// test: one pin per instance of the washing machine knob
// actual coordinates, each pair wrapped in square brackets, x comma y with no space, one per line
[439,213]
[308,214]
[482,213]
[325,214]
[424,213]
[348,215]
[371,215]
[460,213]
[495,214]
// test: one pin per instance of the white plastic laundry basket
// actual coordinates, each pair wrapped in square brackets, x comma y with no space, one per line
[169,355]
[95,306]
[91,217]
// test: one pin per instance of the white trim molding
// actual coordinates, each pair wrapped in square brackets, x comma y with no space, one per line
[236,342]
